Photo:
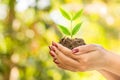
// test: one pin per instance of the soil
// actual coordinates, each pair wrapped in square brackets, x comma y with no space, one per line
[72,43]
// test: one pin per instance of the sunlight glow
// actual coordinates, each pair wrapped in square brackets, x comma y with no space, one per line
[15,58]
[16,25]
[98,8]
[3,11]
[30,33]
[58,18]
[24,4]
[43,4]
[14,74]
[110,20]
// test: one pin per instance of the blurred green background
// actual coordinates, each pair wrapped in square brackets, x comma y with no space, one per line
[27,27]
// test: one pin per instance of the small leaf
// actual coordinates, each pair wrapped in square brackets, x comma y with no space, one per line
[76,28]
[64,29]
[65,14]
[78,14]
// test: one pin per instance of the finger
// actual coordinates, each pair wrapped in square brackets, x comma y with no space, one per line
[52,53]
[60,65]
[65,67]
[61,48]
[64,50]
[84,49]
[64,59]
[56,61]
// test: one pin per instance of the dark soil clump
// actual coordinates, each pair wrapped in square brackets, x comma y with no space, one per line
[72,43]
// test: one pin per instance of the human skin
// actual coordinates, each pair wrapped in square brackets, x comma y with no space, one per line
[85,58]
[109,75]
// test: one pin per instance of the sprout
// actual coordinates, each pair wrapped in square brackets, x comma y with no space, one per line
[68,16]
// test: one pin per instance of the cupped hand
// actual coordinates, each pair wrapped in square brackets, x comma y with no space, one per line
[82,58]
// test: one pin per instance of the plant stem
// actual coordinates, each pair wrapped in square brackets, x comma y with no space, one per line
[71,29]
[71,25]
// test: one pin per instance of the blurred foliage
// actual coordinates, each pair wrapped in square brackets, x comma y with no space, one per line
[27,27]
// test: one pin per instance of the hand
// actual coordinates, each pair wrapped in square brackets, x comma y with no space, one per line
[82,58]
[62,60]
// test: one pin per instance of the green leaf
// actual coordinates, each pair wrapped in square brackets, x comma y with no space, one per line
[78,14]
[64,29]
[65,14]
[76,28]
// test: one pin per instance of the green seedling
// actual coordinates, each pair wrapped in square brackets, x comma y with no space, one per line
[73,30]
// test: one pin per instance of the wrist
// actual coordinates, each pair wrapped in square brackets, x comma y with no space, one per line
[112,62]
[109,75]
[108,56]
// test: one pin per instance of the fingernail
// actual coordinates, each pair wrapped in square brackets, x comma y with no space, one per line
[54,44]
[75,50]
[52,48]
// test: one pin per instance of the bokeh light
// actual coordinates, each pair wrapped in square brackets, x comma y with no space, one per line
[27,28]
